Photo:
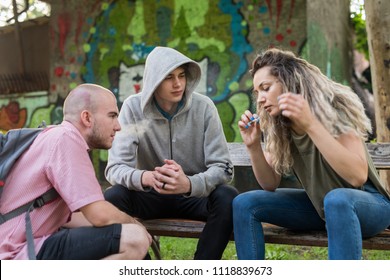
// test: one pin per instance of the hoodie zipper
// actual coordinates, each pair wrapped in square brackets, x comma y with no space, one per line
[170,139]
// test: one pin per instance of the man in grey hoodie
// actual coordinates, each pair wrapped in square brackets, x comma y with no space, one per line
[171,158]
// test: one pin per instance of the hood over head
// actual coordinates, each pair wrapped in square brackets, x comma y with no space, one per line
[159,63]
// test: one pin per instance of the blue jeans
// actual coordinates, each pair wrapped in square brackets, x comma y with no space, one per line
[350,216]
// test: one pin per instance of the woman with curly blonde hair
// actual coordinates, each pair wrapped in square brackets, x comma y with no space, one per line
[314,128]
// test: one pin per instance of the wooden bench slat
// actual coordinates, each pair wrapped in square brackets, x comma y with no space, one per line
[380,153]
[174,227]
[239,154]
[278,235]
[273,234]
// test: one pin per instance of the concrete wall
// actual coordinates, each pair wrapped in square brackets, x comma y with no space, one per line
[35,43]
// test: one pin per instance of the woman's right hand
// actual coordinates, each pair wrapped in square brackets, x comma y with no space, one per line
[249,126]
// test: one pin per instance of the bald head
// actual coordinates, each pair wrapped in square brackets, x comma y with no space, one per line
[84,97]
[93,110]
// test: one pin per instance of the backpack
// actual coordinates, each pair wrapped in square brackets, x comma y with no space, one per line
[12,146]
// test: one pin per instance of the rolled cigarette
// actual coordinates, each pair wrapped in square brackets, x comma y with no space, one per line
[256,119]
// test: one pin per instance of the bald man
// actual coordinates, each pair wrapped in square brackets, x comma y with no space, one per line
[79,224]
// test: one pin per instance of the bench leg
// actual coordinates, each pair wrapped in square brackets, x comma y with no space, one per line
[156,246]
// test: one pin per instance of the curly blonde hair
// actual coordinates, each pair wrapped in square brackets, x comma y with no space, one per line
[336,106]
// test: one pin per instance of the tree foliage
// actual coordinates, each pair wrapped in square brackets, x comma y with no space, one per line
[27,9]
[359,27]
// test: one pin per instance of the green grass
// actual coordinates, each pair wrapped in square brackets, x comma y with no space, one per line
[172,248]
[184,248]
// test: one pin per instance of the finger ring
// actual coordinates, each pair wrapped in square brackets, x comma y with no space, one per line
[163,186]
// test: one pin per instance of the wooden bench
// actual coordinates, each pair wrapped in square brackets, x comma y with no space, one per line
[273,234]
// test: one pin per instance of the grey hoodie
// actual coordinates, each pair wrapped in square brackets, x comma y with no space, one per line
[194,137]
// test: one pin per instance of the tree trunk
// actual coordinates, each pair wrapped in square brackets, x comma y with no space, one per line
[329,39]
[378,33]
[19,39]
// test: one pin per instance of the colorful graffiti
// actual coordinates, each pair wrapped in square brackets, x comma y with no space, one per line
[213,31]
[12,116]
[28,110]
[178,24]
[109,47]
[106,42]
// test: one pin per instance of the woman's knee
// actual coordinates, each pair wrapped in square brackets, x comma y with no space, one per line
[239,202]
[338,201]
[245,201]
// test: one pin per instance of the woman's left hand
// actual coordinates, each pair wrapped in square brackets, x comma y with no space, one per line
[345,154]
[296,108]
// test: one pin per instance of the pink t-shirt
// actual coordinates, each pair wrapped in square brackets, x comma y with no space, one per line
[58,158]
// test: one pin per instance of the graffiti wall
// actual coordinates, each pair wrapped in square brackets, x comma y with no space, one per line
[106,42]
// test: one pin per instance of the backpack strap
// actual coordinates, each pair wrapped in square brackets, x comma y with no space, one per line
[31,205]
[38,203]
[48,196]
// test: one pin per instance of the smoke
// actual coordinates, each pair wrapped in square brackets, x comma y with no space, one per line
[134,130]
